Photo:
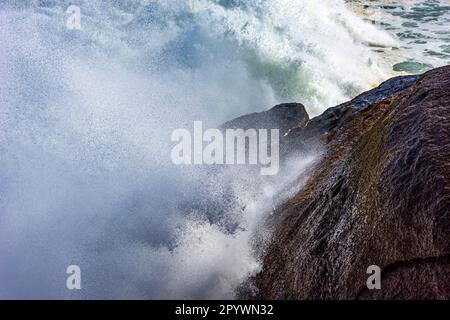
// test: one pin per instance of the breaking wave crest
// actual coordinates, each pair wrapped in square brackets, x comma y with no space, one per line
[85,124]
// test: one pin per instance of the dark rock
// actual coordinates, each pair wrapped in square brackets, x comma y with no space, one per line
[379,196]
[282,117]
[333,118]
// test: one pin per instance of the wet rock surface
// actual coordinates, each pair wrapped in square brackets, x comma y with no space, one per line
[379,196]
[282,117]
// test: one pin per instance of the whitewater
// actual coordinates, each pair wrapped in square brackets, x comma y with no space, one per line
[85,123]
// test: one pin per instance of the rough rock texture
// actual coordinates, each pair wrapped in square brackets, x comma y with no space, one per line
[282,117]
[379,196]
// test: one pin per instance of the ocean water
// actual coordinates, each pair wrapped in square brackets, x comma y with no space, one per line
[86,118]
[421,27]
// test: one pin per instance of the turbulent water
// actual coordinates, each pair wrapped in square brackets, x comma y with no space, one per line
[86,117]
[421,27]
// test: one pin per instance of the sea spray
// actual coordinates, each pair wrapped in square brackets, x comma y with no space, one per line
[85,120]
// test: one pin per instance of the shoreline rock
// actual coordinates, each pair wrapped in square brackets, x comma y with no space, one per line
[379,196]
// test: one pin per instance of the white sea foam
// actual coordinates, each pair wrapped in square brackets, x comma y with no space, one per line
[85,124]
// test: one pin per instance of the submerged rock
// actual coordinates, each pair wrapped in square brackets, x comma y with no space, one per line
[379,196]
